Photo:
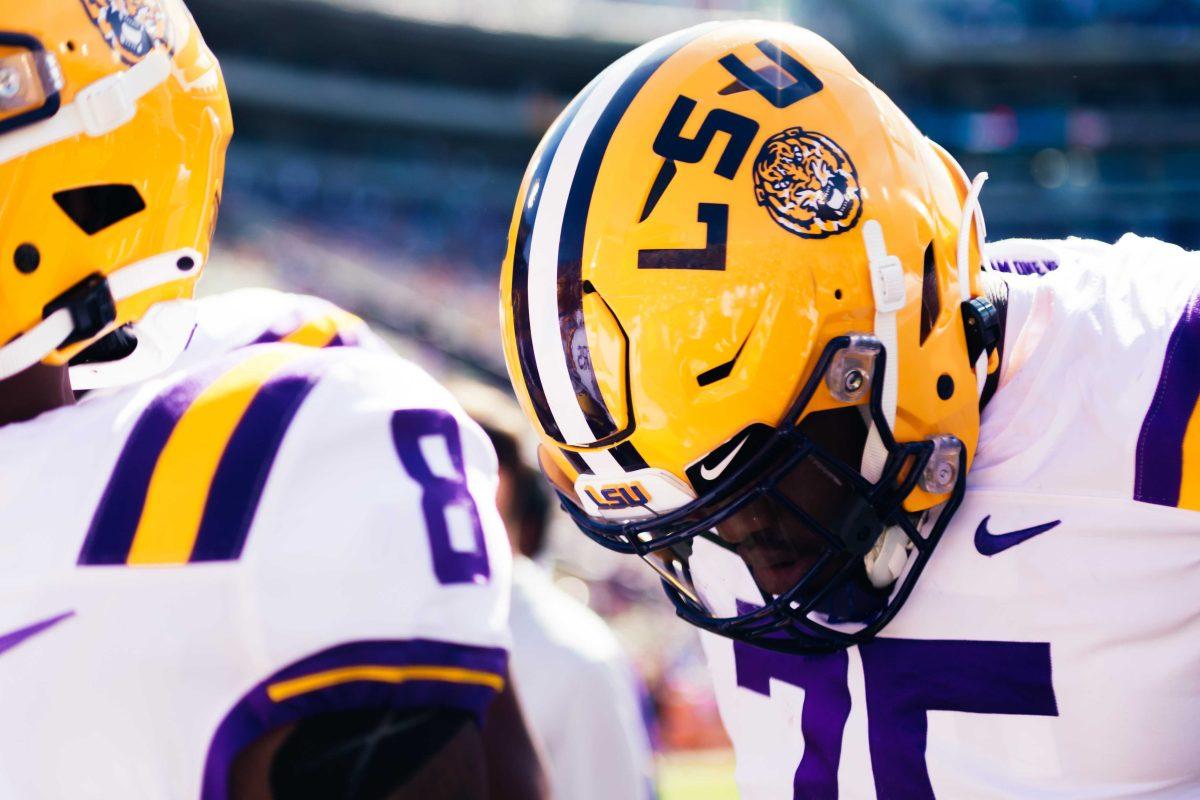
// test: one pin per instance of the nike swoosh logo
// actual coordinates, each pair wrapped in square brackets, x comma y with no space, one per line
[989,544]
[10,640]
[715,472]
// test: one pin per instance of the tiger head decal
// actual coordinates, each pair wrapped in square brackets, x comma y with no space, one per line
[807,183]
[132,28]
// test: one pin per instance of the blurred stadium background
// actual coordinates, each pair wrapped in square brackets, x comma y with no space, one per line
[380,144]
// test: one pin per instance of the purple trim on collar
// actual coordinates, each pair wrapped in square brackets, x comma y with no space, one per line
[255,714]
[1159,469]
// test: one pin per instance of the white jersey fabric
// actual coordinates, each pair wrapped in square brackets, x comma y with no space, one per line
[1051,649]
[579,693]
[277,532]
[230,320]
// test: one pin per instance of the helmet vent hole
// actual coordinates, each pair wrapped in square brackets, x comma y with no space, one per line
[185,264]
[721,371]
[931,299]
[94,208]
[588,288]
[26,258]
[837,294]
[945,386]
[69,46]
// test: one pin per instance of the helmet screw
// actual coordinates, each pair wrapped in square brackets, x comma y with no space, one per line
[10,83]
[853,381]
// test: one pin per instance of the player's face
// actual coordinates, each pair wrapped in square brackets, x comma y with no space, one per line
[776,544]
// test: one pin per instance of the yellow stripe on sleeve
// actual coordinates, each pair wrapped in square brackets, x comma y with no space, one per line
[285,690]
[179,487]
[1189,489]
[321,331]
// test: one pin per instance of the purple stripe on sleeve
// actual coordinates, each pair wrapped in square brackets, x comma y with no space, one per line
[256,714]
[242,472]
[120,508]
[1159,470]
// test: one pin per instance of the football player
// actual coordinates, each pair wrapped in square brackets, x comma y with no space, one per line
[937,522]
[278,572]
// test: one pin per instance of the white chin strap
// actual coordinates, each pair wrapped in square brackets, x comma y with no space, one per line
[53,332]
[98,109]
[972,217]
[162,335]
[888,558]
[887,284]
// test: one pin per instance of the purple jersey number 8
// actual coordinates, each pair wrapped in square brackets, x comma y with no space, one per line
[450,514]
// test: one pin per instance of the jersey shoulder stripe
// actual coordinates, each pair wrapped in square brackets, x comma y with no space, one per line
[397,674]
[331,328]
[1168,449]
[188,480]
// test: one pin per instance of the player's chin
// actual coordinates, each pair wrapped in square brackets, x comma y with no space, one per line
[777,571]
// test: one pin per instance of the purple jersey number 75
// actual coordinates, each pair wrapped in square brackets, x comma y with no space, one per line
[430,448]
[905,679]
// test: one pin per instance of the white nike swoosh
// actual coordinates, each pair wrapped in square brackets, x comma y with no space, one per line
[715,472]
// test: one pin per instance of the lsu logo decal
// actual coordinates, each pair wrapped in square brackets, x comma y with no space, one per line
[618,497]
[132,28]
[807,183]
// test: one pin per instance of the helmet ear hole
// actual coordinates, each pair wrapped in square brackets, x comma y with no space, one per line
[94,208]
[931,299]
[26,258]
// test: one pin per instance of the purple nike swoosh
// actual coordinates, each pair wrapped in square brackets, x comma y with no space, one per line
[989,544]
[10,640]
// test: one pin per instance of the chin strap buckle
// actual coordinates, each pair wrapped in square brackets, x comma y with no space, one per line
[981,321]
[91,306]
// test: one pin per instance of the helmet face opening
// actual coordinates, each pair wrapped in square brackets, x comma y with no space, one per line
[777,553]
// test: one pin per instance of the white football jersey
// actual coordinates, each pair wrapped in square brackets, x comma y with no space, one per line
[1051,649]
[277,532]
[230,320]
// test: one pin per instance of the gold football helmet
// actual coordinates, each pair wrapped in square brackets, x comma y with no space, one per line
[742,309]
[113,127]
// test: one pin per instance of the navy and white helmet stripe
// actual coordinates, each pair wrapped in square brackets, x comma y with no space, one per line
[547,291]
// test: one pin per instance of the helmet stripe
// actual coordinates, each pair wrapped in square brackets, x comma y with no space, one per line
[570,243]
[555,257]
[520,269]
[576,461]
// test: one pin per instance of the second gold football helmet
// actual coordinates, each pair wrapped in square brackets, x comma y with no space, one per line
[742,309]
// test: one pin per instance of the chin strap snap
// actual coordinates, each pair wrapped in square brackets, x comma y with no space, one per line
[91,305]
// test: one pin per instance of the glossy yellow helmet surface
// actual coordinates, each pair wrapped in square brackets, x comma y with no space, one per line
[729,233]
[114,121]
